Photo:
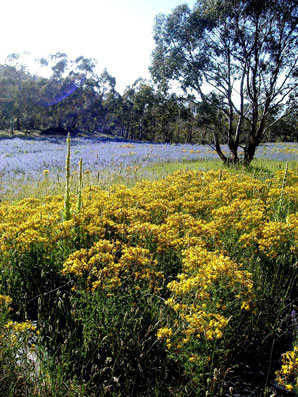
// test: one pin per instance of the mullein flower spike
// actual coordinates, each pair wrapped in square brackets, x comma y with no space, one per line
[79,203]
[66,215]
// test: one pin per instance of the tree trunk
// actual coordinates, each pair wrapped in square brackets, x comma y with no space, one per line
[233,146]
[218,148]
[249,152]
[18,124]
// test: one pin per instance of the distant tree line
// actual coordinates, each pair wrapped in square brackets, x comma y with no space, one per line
[74,98]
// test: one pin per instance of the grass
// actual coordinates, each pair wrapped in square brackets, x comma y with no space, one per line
[260,168]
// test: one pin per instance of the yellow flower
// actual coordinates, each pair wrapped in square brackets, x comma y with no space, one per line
[165,332]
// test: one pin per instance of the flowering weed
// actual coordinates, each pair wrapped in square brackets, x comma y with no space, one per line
[153,289]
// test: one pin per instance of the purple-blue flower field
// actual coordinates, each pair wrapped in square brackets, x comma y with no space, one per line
[24,157]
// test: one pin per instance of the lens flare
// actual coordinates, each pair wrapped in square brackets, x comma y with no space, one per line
[63,94]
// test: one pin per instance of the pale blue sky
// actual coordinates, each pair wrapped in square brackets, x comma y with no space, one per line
[118,34]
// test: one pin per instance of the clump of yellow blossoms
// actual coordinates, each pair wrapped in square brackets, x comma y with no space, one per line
[16,331]
[287,376]
[108,264]
[12,331]
[5,301]
[198,295]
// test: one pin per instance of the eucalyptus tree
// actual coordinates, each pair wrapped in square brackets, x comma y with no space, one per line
[73,96]
[14,95]
[107,114]
[167,113]
[144,105]
[82,95]
[134,102]
[238,60]
[147,112]
[187,128]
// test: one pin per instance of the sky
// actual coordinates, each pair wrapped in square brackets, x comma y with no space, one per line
[117,33]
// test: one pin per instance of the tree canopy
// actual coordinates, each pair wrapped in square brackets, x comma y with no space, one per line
[237,60]
[74,98]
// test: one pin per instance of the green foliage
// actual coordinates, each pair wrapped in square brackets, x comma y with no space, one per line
[116,350]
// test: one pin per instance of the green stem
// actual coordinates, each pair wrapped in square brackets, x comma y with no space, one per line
[67,205]
[79,203]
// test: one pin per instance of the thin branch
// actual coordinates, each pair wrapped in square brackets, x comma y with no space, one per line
[211,146]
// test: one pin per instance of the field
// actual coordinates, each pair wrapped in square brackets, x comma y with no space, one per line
[156,272]
[25,163]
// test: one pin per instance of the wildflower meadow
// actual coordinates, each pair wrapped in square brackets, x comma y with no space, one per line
[25,163]
[161,288]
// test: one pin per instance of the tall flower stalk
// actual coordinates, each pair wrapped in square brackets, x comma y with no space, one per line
[79,203]
[66,215]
